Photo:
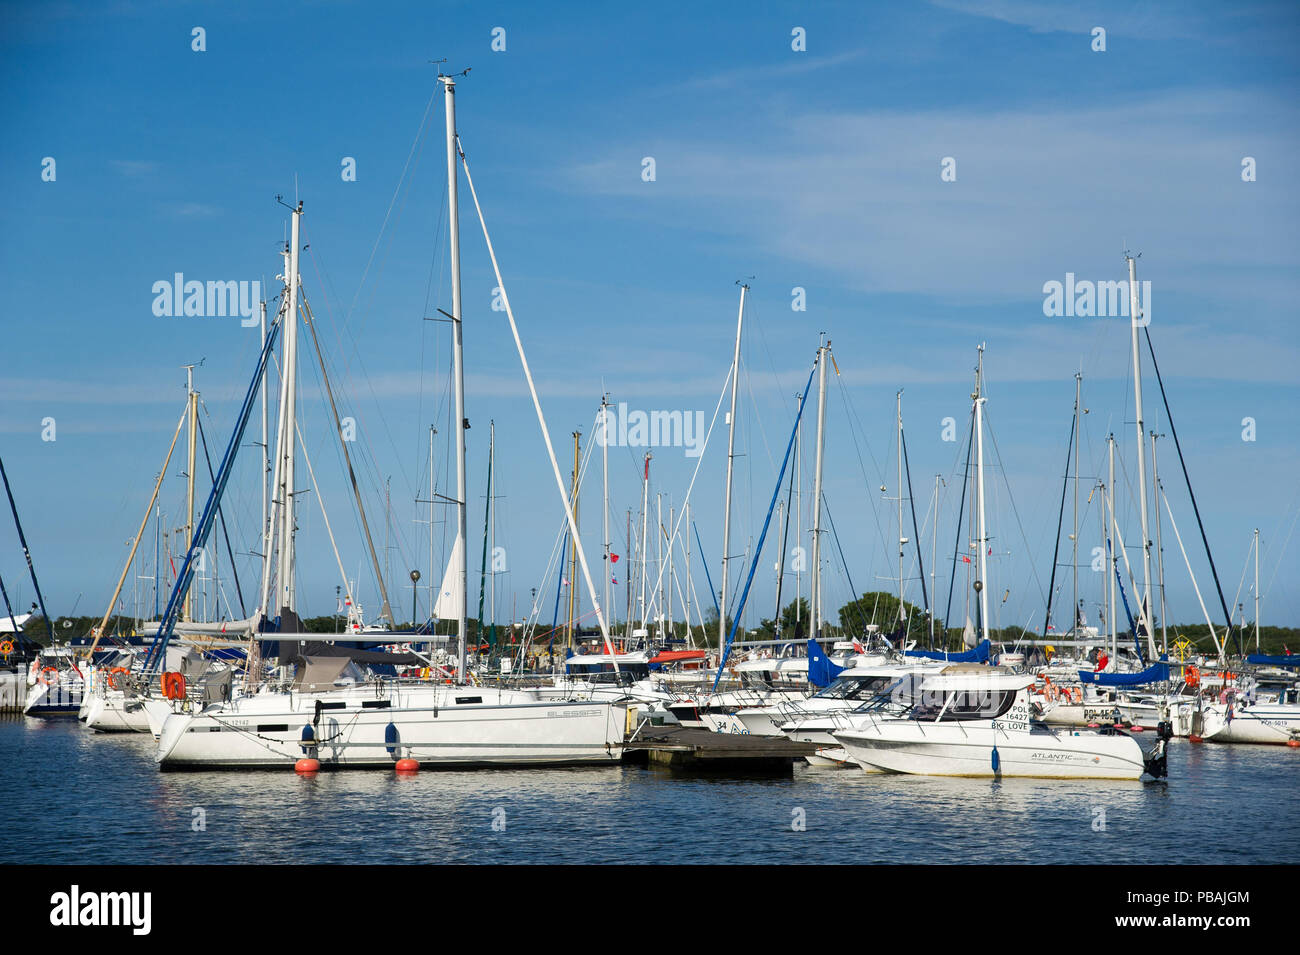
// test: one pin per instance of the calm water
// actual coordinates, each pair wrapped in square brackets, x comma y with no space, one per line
[71,796]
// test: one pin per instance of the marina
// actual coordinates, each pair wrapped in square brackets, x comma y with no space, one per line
[605,437]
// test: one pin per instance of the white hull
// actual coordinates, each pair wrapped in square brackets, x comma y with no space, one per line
[1276,723]
[53,699]
[113,712]
[505,728]
[965,749]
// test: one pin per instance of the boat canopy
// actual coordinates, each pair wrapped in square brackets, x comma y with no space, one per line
[1263,659]
[978,654]
[1156,673]
[986,678]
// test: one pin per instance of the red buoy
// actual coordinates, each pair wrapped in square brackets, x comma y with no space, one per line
[1196,739]
[1135,728]
[408,766]
[1293,743]
[307,767]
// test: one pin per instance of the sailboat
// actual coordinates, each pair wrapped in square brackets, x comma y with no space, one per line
[331,713]
[975,720]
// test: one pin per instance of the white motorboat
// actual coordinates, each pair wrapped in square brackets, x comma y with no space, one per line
[981,722]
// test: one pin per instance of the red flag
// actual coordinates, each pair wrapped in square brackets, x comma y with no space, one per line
[965,558]
[614,558]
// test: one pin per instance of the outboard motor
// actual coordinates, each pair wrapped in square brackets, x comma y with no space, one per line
[1156,760]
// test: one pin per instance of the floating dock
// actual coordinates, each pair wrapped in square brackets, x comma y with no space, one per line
[700,750]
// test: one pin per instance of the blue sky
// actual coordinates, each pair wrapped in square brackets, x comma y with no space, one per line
[817,169]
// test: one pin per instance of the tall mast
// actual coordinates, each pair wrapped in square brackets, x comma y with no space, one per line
[458,371]
[671,515]
[1110,546]
[1160,547]
[1074,538]
[573,542]
[731,453]
[284,582]
[266,458]
[816,616]
[798,520]
[604,511]
[1134,312]
[982,531]
[492,509]
[432,563]
[645,539]
[659,558]
[192,419]
[898,407]
[1257,590]
[934,561]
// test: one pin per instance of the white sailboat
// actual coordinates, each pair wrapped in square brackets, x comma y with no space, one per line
[332,714]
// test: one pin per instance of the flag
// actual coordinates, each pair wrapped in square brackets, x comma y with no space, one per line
[614,558]
[1050,627]
[965,559]
[990,553]
[340,610]
[614,581]
[858,648]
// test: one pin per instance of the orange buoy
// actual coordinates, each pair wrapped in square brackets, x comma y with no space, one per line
[307,767]
[408,766]
[1293,743]
[1196,739]
[1135,728]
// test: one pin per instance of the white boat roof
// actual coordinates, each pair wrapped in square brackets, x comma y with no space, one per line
[977,678]
[623,659]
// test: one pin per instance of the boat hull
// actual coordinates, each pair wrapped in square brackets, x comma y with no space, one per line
[905,746]
[263,732]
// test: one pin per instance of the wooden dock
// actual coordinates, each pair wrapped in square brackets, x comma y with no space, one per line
[699,750]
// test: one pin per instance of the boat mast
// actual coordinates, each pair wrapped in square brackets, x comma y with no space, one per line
[1110,547]
[285,582]
[981,585]
[1160,547]
[645,539]
[934,560]
[731,454]
[1257,590]
[1134,312]
[898,415]
[659,560]
[672,631]
[604,511]
[266,462]
[1074,538]
[816,588]
[192,419]
[458,372]
[573,541]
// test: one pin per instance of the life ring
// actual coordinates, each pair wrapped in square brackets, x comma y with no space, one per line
[6,647]
[52,680]
[173,686]
[112,677]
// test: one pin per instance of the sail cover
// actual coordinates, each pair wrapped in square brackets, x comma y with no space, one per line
[821,672]
[1264,659]
[1156,673]
[980,654]
[451,600]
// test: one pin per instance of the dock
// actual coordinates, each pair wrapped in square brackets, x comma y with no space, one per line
[700,750]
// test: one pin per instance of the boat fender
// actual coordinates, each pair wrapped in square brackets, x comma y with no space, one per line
[997,760]
[391,738]
[308,739]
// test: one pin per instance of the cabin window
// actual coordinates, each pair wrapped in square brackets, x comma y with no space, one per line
[957,705]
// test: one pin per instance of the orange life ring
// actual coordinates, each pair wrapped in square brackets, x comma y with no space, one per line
[112,677]
[53,679]
[173,686]
[6,647]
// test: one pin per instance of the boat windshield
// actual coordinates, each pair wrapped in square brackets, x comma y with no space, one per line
[848,687]
[901,694]
[953,705]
